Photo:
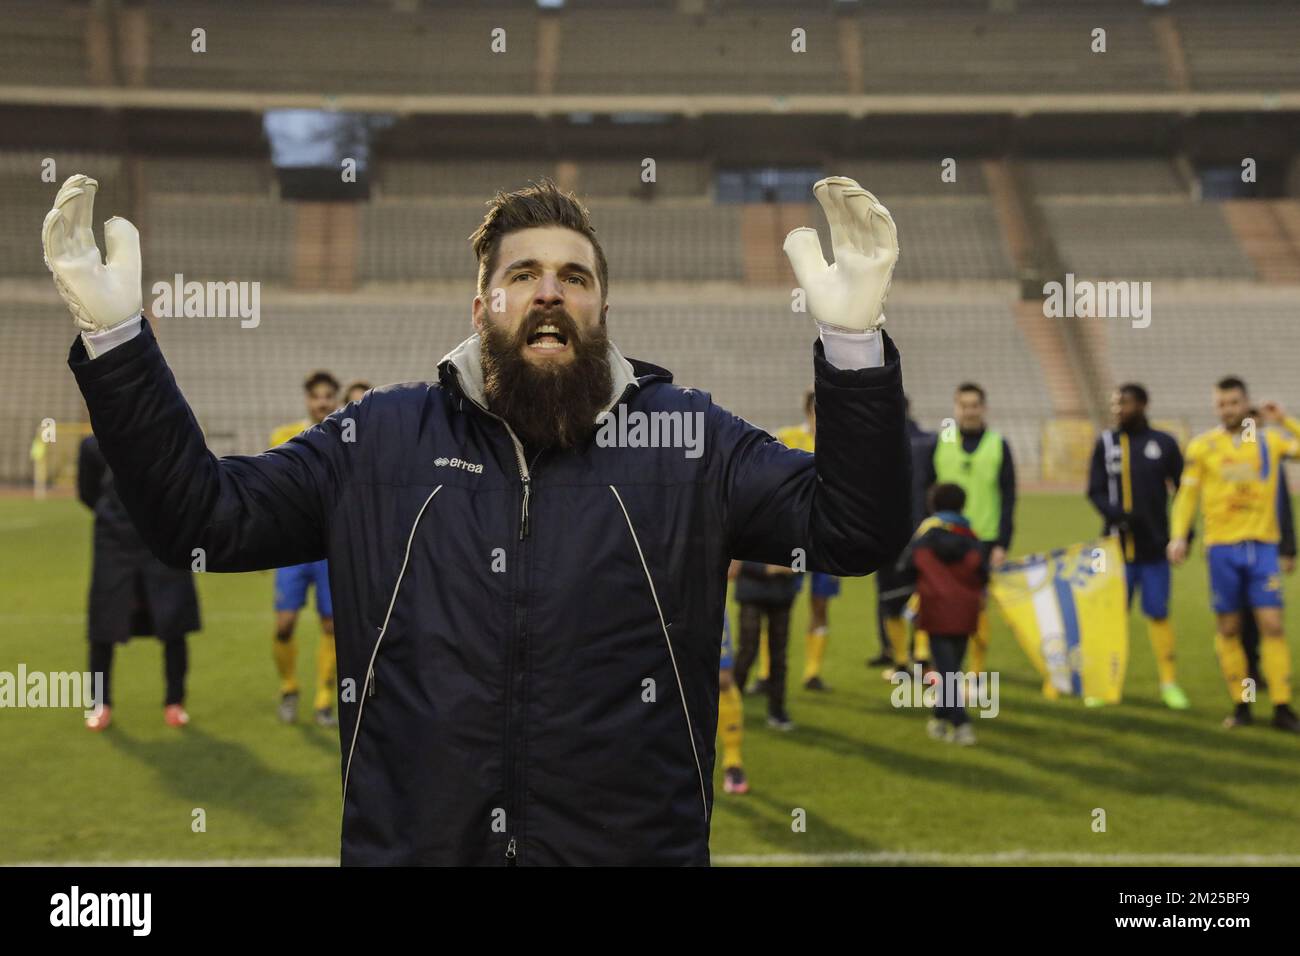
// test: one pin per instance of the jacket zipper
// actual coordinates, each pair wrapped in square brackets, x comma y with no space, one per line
[512,751]
[526,480]
[513,664]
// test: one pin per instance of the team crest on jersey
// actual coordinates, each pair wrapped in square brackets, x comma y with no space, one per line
[1152,450]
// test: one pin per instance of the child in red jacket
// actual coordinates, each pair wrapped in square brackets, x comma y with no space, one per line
[950,572]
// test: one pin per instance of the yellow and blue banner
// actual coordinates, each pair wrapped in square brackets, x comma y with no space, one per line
[1068,609]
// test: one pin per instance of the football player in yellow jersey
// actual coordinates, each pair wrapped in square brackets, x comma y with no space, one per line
[1232,472]
[823,587]
[321,391]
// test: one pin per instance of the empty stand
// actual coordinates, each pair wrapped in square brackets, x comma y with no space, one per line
[38,332]
[622,178]
[1197,337]
[204,175]
[231,238]
[1105,177]
[669,240]
[966,48]
[43,43]
[887,46]
[891,179]
[26,197]
[1167,239]
[973,337]
[477,179]
[403,242]
[656,51]
[945,240]
[1232,47]
[243,383]
[1264,231]
[353,49]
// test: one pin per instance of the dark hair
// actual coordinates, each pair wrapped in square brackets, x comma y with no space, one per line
[320,377]
[1230,382]
[538,204]
[1134,391]
[809,400]
[972,387]
[364,386]
[947,497]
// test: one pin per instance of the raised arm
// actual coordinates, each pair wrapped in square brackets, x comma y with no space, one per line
[244,513]
[848,508]
[1289,428]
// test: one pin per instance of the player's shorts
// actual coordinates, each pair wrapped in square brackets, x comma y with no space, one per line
[291,587]
[728,649]
[1151,578]
[1244,575]
[825,585]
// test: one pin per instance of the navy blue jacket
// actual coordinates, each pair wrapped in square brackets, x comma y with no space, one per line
[533,644]
[1154,464]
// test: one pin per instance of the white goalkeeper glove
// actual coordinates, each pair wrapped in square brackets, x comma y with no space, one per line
[100,296]
[849,295]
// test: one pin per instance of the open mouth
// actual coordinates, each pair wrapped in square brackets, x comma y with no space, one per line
[548,338]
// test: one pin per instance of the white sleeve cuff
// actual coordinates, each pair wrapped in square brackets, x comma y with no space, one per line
[853,350]
[97,343]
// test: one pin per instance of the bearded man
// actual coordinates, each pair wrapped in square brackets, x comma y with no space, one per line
[529,616]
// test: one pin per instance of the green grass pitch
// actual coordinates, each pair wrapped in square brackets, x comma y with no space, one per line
[870,784]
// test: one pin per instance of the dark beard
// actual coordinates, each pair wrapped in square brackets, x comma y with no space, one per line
[551,406]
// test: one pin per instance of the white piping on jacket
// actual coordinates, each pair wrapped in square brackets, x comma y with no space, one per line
[671,656]
[370,670]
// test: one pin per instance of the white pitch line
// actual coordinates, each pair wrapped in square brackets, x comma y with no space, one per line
[879,858]
[1008,857]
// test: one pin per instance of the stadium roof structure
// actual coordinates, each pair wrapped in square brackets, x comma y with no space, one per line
[688,58]
[690,105]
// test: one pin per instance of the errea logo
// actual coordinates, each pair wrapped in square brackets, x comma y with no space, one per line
[458,463]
